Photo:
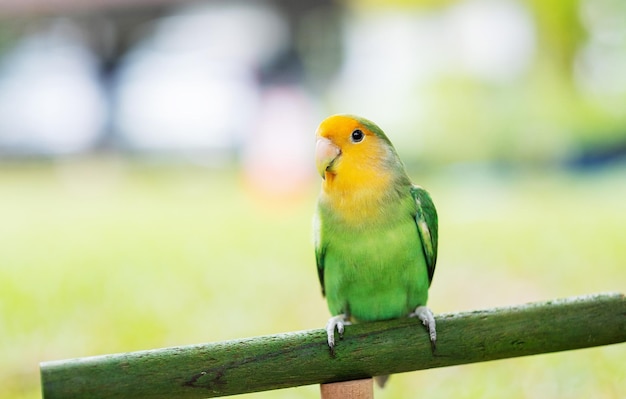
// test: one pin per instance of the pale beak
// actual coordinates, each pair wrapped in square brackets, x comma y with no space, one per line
[325,154]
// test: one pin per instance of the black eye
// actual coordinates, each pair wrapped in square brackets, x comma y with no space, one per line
[357,136]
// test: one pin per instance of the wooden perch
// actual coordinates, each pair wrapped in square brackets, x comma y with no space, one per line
[368,349]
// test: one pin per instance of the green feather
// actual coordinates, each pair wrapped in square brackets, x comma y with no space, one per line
[427,226]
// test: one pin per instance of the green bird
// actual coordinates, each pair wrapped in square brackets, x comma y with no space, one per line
[375,232]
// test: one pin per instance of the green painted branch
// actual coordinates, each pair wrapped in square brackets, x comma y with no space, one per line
[302,358]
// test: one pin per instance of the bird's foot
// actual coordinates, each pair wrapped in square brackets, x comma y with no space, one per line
[428,320]
[336,322]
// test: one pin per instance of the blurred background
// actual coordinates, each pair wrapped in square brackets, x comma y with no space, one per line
[157,181]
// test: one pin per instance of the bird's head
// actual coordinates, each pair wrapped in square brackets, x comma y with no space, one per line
[352,147]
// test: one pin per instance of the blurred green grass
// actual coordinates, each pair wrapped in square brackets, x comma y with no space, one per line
[104,256]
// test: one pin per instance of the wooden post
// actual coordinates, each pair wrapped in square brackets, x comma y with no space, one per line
[356,389]
[367,349]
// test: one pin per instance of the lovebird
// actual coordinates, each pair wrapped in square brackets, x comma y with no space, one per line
[375,232]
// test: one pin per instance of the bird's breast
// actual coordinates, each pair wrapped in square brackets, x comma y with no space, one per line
[358,204]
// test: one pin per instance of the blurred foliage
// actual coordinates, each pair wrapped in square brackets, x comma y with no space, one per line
[557,109]
[105,256]
[560,32]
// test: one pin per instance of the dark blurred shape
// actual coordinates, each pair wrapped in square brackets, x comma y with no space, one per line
[56,7]
[600,155]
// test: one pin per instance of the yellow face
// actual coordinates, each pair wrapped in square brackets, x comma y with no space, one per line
[349,156]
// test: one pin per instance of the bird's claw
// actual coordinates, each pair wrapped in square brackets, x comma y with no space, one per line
[428,320]
[336,322]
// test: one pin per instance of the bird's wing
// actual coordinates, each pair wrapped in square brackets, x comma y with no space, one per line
[319,250]
[426,220]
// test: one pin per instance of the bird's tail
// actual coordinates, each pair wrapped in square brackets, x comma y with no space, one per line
[381,380]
